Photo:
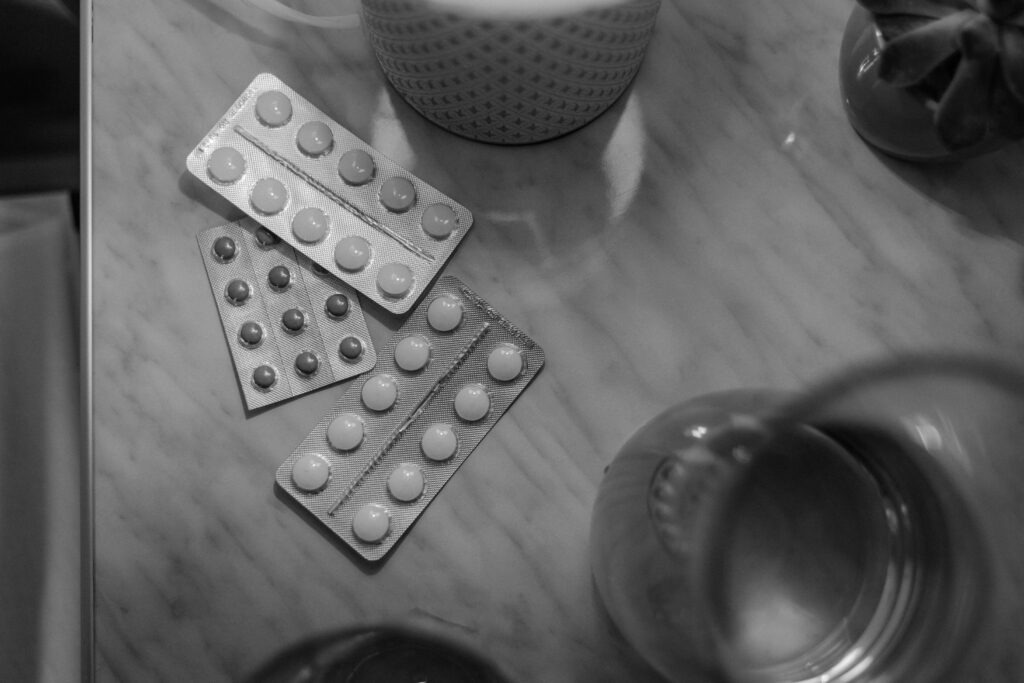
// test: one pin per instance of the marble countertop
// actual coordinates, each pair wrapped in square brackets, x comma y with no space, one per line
[722,226]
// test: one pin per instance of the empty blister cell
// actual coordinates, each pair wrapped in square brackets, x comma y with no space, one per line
[284,321]
[397,435]
[334,198]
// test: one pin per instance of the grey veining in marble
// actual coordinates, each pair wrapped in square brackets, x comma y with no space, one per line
[721,226]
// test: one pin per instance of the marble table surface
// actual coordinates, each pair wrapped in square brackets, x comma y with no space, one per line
[721,226]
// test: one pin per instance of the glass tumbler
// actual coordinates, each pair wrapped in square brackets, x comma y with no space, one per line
[870,529]
[380,653]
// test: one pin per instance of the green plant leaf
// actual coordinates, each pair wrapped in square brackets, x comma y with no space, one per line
[1007,110]
[894,25]
[909,58]
[1000,10]
[1011,47]
[926,8]
[964,115]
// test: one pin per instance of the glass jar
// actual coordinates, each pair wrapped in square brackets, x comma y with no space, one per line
[866,530]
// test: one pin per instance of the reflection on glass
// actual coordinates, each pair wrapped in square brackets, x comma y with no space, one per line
[867,530]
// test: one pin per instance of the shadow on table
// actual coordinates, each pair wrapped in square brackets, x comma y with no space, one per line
[194,189]
[368,568]
[988,191]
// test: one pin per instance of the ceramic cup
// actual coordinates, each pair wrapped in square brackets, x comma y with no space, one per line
[501,71]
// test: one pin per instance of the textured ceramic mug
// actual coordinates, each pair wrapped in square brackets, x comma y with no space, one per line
[509,72]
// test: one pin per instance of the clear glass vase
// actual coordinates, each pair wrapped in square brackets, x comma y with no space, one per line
[869,529]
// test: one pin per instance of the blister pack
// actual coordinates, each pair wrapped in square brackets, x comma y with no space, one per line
[290,326]
[376,460]
[334,198]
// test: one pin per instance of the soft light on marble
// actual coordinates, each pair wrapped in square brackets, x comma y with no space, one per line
[721,226]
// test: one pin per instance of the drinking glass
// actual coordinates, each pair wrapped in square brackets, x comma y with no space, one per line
[379,653]
[867,530]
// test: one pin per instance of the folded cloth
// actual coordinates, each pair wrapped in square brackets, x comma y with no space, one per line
[40,446]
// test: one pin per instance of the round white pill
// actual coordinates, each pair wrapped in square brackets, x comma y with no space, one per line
[444,313]
[505,362]
[380,392]
[273,108]
[439,221]
[371,523]
[268,196]
[412,353]
[311,472]
[472,402]
[406,482]
[395,280]
[225,165]
[352,253]
[345,432]
[356,167]
[397,194]
[439,442]
[314,139]
[310,225]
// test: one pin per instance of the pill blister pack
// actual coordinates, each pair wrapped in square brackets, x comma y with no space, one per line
[290,326]
[376,460]
[331,196]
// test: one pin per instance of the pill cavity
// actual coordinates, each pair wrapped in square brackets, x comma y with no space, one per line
[293,320]
[444,313]
[273,108]
[311,472]
[310,225]
[250,334]
[350,349]
[395,280]
[371,523]
[237,292]
[279,278]
[439,442]
[397,194]
[352,253]
[472,402]
[405,482]
[505,362]
[306,363]
[380,392]
[336,306]
[439,221]
[314,138]
[265,238]
[412,353]
[356,167]
[225,165]
[264,377]
[345,432]
[268,196]
[224,249]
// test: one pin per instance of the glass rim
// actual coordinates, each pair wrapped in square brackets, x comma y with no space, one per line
[996,369]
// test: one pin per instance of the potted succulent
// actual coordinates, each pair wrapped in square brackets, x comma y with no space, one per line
[935,79]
